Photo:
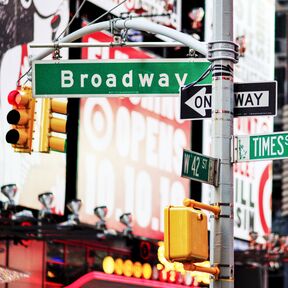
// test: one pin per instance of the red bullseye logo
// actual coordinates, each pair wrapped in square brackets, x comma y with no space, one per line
[264,178]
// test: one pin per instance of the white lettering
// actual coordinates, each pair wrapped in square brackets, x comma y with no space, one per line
[106,171]
[166,136]
[255,140]
[127,79]
[151,141]
[180,81]
[186,163]
[143,207]
[137,133]
[66,79]
[146,79]
[273,138]
[179,142]
[286,140]
[82,78]
[96,80]
[123,131]
[281,150]
[163,80]
[129,174]
[265,146]
[111,80]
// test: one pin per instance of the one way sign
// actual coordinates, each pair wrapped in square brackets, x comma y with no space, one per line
[250,99]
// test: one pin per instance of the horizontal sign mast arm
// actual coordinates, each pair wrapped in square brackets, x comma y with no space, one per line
[107,44]
[138,24]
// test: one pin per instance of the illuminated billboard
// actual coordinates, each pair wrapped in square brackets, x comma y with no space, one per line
[167,13]
[254,31]
[130,152]
[24,22]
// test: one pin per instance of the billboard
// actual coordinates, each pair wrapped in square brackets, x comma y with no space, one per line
[252,180]
[130,152]
[24,22]
[167,13]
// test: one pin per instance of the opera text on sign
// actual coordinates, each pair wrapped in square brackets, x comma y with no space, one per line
[250,99]
[115,78]
[199,167]
[261,147]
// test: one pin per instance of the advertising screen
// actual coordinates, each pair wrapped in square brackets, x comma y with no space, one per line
[24,22]
[130,152]
[254,31]
[167,13]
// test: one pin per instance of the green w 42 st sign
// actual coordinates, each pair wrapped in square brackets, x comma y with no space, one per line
[115,78]
[201,168]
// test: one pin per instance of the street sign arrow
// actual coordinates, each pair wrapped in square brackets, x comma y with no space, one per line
[200,102]
[250,99]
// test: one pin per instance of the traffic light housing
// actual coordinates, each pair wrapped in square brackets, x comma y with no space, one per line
[22,119]
[185,234]
[53,125]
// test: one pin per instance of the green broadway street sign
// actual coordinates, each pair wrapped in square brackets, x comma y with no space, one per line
[261,147]
[115,78]
[201,168]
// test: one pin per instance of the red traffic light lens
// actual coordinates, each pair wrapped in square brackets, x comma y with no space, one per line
[19,98]
[13,97]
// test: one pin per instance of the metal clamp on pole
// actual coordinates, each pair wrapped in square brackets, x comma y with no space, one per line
[195,204]
[56,53]
[117,39]
[226,210]
[223,50]
[226,272]
[215,271]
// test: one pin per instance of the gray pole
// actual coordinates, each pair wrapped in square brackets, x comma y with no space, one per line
[222,52]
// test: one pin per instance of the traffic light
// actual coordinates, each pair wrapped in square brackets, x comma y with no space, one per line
[185,234]
[22,119]
[53,125]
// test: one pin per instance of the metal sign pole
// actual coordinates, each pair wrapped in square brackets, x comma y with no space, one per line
[222,52]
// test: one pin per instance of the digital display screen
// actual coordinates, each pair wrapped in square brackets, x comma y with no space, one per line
[130,153]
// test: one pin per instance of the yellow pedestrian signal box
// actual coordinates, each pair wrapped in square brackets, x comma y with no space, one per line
[22,119]
[185,234]
[53,125]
